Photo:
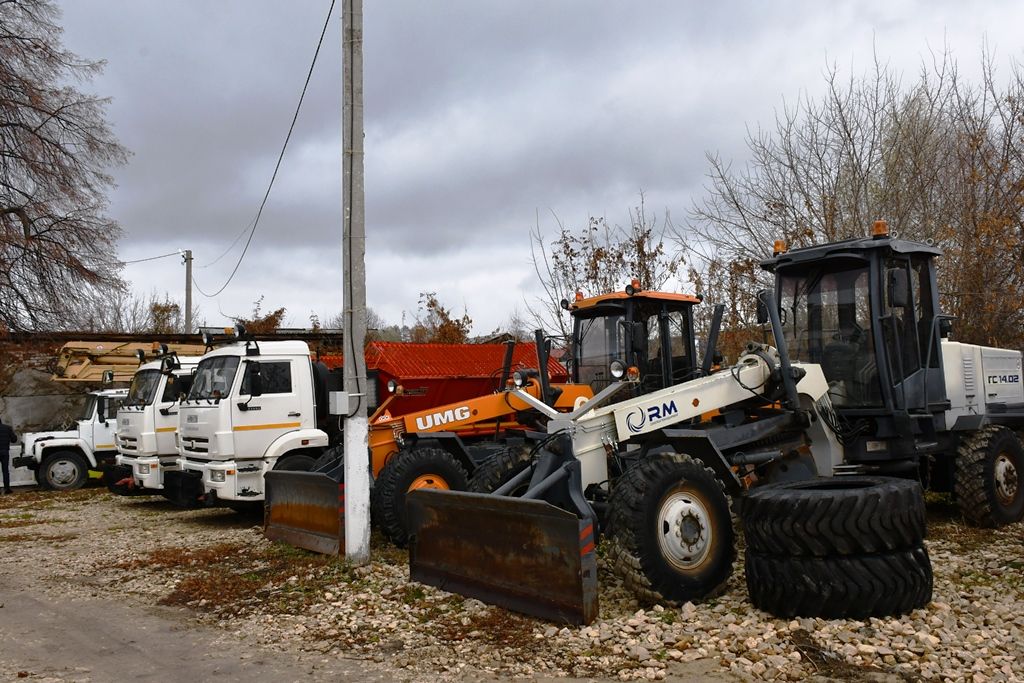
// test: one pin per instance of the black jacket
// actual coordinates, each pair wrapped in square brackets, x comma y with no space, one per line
[7,435]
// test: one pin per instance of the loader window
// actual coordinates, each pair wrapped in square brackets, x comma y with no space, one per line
[600,340]
[827,321]
[143,388]
[214,377]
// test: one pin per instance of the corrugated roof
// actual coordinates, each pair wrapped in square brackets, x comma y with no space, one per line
[423,361]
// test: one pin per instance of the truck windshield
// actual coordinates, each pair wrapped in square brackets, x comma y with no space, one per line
[143,388]
[89,409]
[600,342]
[826,319]
[213,378]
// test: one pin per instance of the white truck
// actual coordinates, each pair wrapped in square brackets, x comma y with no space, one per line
[253,407]
[61,460]
[147,425]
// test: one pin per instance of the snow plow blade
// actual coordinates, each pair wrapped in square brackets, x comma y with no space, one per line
[525,555]
[306,509]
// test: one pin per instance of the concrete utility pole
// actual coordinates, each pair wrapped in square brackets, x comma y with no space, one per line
[187,256]
[357,465]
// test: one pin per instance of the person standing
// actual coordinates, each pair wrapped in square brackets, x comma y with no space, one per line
[7,437]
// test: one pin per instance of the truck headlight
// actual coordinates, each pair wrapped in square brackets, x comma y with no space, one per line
[519,378]
[143,469]
[217,475]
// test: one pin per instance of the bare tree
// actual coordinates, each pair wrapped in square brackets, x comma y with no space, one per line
[939,158]
[118,310]
[55,149]
[599,258]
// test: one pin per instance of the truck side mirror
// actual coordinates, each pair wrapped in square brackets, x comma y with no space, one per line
[255,378]
[638,339]
[101,410]
[945,327]
[762,308]
[899,288]
[108,376]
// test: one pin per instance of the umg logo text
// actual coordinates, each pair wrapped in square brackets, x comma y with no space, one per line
[637,419]
[425,422]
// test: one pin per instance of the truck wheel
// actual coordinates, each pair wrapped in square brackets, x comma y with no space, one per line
[295,463]
[417,468]
[989,469]
[63,471]
[834,516]
[843,587]
[670,531]
[498,469]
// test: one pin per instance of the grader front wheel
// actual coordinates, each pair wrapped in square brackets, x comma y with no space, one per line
[669,530]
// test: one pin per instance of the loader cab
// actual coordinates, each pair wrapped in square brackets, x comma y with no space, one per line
[652,331]
[867,311]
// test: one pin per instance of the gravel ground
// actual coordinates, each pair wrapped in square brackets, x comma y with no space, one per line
[217,564]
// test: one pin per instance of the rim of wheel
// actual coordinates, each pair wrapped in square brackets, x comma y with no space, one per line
[429,481]
[62,473]
[1007,480]
[684,530]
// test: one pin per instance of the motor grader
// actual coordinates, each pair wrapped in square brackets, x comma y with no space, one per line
[860,378]
[428,449]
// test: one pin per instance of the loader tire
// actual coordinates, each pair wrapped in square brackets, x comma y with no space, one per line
[329,456]
[834,516]
[988,478]
[670,533]
[844,587]
[63,471]
[498,469]
[424,467]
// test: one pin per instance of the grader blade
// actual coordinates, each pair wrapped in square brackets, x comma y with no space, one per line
[306,509]
[525,555]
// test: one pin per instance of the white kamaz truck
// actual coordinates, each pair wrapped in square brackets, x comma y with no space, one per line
[253,407]
[61,460]
[147,425]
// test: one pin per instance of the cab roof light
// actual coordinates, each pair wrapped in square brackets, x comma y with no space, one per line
[880,229]
[633,287]
[579,295]
[779,248]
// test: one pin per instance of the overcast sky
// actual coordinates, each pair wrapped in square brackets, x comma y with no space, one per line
[480,117]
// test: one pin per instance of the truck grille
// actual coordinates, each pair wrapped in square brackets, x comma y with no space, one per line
[195,444]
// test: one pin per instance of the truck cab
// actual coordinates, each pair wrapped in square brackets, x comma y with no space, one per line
[147,423]
[62,459]
[252,408]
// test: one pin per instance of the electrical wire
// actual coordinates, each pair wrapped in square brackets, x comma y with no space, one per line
[151,258]
[280,157]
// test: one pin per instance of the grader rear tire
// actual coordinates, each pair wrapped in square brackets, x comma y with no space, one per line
[670,531]
[988,479]
[424,467]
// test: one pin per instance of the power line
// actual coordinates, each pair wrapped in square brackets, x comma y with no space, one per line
[280,157]
[151,258]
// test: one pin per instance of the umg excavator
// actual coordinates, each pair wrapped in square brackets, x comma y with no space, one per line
[423,450]
[860,379]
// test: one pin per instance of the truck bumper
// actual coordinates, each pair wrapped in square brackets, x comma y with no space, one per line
[226,481]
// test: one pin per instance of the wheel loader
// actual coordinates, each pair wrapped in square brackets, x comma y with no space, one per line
[428,449]
[861,378]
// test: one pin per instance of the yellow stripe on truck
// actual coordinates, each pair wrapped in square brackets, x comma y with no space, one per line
[166,429]
[277,425]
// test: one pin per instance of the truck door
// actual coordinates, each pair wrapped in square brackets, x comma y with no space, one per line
[105,424]
[168,401]
[259,420]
